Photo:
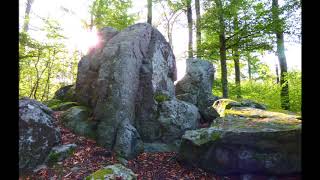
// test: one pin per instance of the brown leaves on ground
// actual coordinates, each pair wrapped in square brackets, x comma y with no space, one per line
[164,166]
[89,157]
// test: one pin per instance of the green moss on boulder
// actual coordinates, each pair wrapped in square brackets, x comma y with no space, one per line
[64,106]
[113,172]
[160,97]
[77,119]
[245,140]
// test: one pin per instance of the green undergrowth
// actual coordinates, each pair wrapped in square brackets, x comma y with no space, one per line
[266,92]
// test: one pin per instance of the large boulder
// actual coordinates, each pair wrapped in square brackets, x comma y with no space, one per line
[65,93]
[196,87]
[221,104]
[77,119]
[175,118]
[246,140]
[37,134]
[120,80]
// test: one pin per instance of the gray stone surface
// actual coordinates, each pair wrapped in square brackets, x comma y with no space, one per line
[113,172]
[37,134]
[77,119]
[59,153]
[119,79]
[242,142]
[66,93]
[175,118]
[196,87]
[128,142]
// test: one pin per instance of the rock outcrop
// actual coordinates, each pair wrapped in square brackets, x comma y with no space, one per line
[65,93]
[221,104]
[124,80]
[246,140]
[196,87]
[77,119]
[37,134]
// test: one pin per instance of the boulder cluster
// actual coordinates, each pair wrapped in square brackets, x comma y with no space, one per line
[125,99]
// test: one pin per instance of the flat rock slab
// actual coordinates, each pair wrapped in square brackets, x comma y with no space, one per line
[246,140]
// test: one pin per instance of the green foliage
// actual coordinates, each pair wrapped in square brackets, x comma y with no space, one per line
[100,174]
[159,97]
[267,91]
[46,65]
[112,13]
[53,157]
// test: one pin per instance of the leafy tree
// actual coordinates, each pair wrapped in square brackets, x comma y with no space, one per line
[43,65]
[170,14]
[112,13]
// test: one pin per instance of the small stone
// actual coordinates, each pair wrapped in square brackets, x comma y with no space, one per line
[75,169]
[40,167]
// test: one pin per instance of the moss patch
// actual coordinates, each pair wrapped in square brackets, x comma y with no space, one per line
[52,102]
[100,174]
[254,120]
[221,105]
[159,97]
[53,157]
[64,106]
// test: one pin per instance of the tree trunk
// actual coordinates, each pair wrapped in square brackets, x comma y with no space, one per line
[277,73]
[26,16]
[37,71]
[149,20]
[237,71]
[189,16]
[236,57]
[169,35]
[285,101]
[198,29]
[249,66]
[223,56]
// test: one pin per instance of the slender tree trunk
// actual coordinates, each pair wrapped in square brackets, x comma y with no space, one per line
[249,66]
[198,28]
[285,101]
[26,16]
[277,73]
[236,57]
[223,56]
[149,20]
[37,71]
[91,22]
[169,33]
[189,16]
[237,71]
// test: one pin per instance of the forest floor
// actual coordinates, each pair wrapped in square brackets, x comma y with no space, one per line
[89,157]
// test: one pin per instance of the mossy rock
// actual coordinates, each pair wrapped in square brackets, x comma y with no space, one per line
[66,93]
[113,172]
[52,102]
[77,119]
[161,97]
[63,106]
[246,140]
[222,105]
[58,153]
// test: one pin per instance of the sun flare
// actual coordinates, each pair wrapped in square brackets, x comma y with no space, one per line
[86,39]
